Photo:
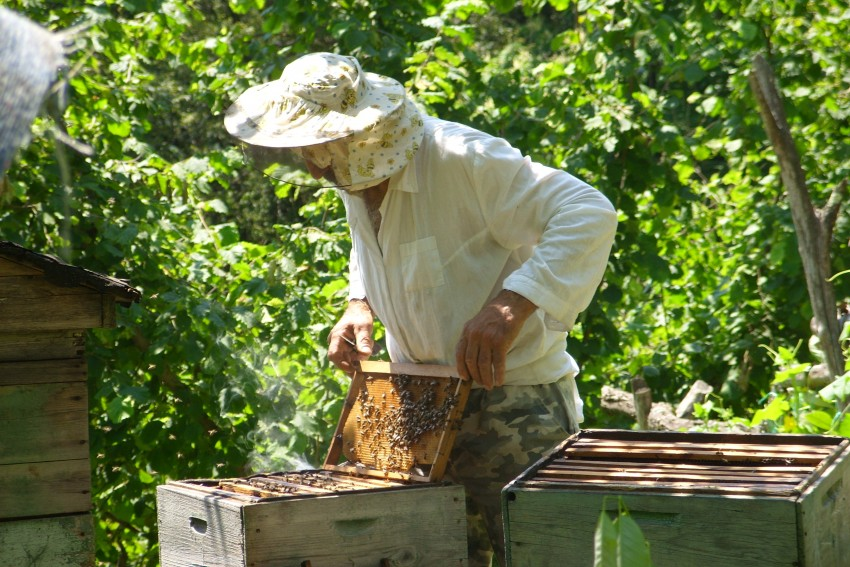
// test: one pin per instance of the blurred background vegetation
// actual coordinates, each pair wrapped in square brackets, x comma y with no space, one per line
[221,369]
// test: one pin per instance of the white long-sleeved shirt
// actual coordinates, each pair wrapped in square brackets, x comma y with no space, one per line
[468,217]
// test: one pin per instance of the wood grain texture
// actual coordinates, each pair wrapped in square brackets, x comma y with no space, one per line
[199,529]
[10,268]
[35,286]
[551,529]
[60,541]
[29,372]
[42,489]
[824,512]
[701,499]
[22,346]
[53,313]
[43,422]
[411,526]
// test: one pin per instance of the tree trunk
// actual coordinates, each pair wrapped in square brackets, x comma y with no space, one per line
[814,227]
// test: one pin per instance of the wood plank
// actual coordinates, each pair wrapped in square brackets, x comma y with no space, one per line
[665,468]
[553,530]
[335,451]
[34,287]
[42,372]
[65,275]
[672,487]
[369,367]
[43,489]
[824,516]
[698,437]
[304,484]
[10,268]
[683,445]
[658,476]
[212,488]
[589,464]
[52,313]
[42,345]
[706,454]
[369,482]
[108,314]
[686,443]
[58,541]
[43,422]
[325,481]
[413,526]
[376,473]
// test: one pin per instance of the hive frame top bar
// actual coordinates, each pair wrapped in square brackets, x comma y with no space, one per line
[429,370]
[686,462]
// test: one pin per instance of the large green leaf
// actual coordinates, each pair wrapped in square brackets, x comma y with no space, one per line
[620,542]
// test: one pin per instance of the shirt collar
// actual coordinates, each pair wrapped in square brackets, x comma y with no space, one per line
[405,180]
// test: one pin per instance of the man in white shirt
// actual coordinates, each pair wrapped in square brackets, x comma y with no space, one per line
[468,253]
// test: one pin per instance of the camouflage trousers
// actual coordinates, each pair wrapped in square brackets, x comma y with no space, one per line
[504,432]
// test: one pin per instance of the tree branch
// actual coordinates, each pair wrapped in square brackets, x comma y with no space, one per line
[828,214]
[814,229]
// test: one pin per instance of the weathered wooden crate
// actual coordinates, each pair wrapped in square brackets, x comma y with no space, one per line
[700,499]
[45,474]
[377,501]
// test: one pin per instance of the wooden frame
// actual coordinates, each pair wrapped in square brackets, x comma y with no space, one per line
[399,421]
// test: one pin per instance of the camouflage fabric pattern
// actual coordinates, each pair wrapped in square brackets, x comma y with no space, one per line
[504,432]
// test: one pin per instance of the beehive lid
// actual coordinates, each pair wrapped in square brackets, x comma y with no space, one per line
[399,421]
[668,462]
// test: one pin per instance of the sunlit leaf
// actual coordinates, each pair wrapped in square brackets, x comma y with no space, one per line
[821,420]
[838,390]
[620,542]
[774,410]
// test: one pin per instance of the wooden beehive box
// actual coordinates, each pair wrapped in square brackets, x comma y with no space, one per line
[377,501]
[45,474]
[700,499]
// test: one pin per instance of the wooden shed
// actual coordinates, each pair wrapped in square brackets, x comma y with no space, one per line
[46,306]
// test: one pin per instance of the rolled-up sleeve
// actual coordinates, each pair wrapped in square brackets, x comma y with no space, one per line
[569,224]
[356,289]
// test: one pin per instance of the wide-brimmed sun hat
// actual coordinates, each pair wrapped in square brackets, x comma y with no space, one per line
[325,97]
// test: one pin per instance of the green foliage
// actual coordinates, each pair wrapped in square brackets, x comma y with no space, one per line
[650,103]
[221,368]
[793,406]
[619,542]
[222,363]
[714,412]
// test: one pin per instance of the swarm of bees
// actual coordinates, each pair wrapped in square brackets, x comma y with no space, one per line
[398,427]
